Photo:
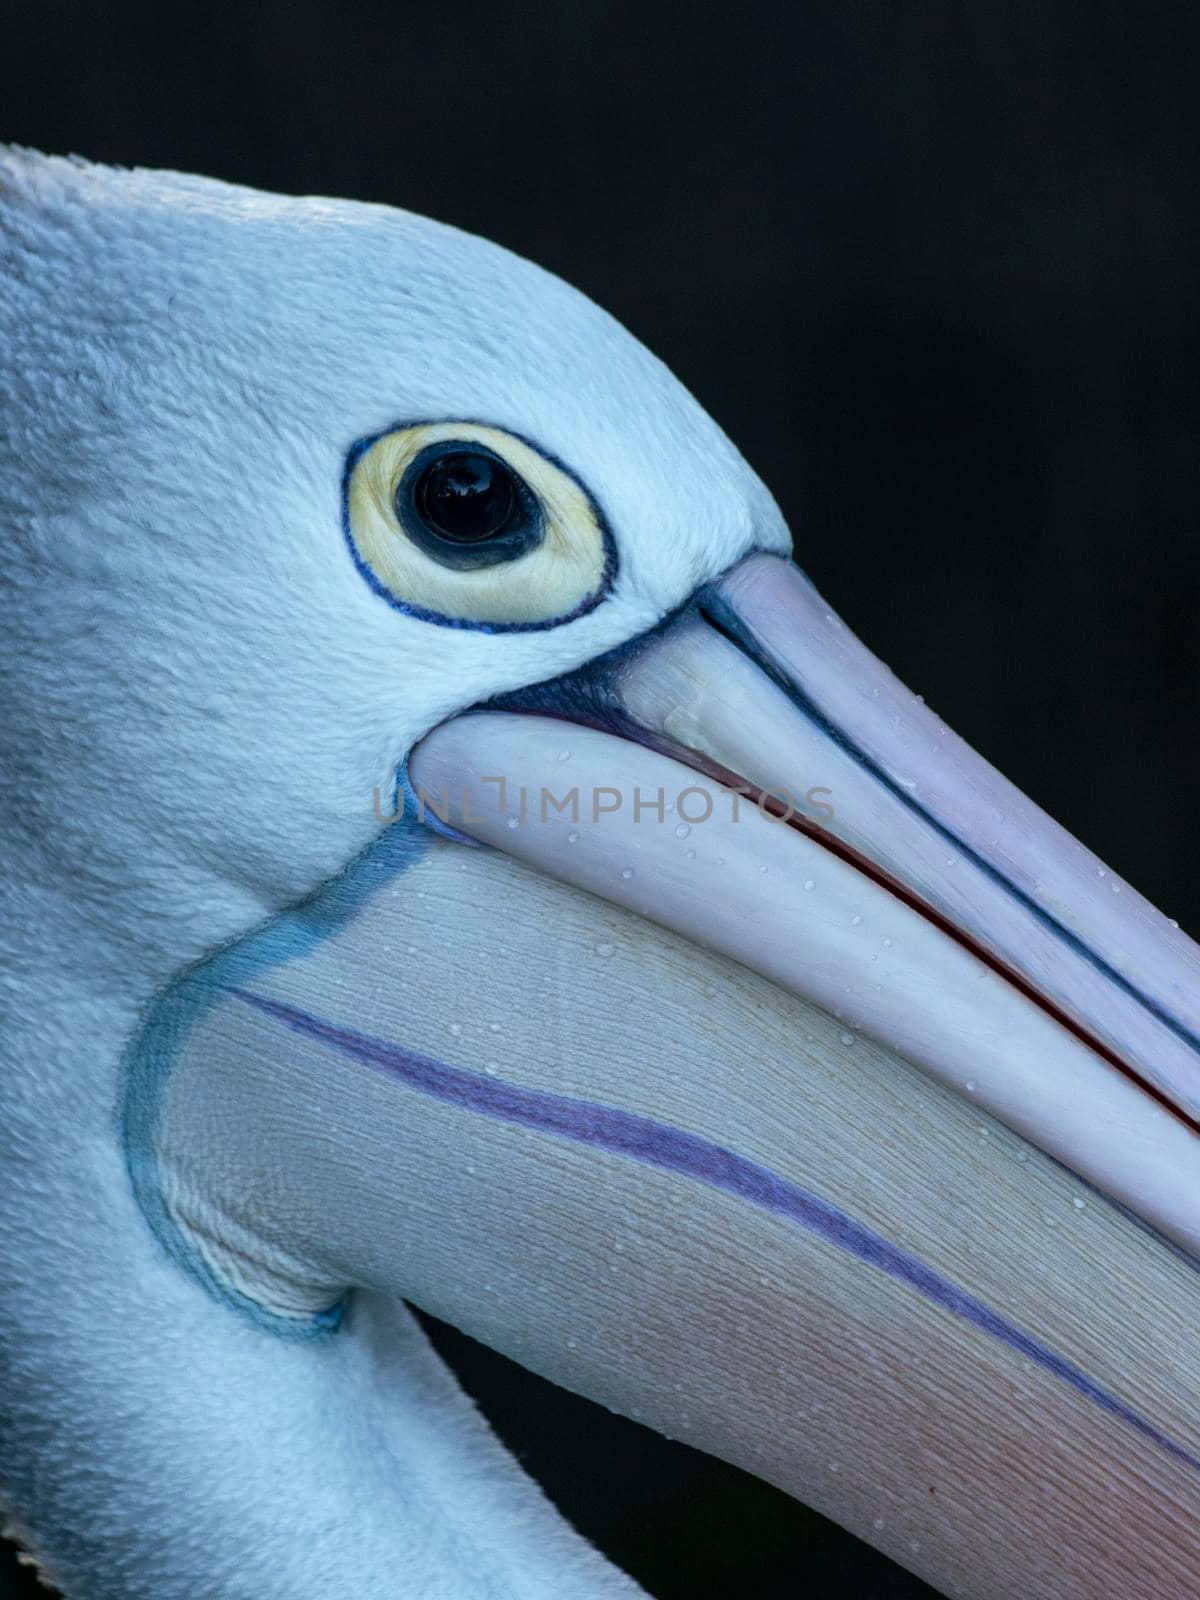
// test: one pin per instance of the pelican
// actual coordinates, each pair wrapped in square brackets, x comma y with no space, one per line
[453,857]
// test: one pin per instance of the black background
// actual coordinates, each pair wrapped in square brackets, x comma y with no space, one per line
[934,269]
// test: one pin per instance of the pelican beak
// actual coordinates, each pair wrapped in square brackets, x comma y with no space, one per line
[752,778]
[742,1174]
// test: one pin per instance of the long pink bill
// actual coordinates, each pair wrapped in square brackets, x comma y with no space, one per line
[873,865]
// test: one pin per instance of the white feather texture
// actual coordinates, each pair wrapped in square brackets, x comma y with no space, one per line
[200,696]
[203,686]
[948,1342]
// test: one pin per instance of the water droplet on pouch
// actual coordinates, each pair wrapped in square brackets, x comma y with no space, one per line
[512,822]
[572,838]
[564,755]
[809,884]
[627,872]
[887,944]
[604,949]
[1078,1203]
[855,921]
[456,1028]
[846,1038]
[682,831]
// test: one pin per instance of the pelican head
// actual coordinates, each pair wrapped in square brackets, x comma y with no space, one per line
[453,855]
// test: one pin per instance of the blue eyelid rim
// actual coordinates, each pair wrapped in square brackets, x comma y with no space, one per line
[440,619]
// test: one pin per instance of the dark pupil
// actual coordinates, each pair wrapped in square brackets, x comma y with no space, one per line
[465,496]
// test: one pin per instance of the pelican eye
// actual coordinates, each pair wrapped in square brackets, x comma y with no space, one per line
[470,526]
[466,507]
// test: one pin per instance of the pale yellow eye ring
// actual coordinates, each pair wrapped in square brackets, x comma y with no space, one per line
[564,574]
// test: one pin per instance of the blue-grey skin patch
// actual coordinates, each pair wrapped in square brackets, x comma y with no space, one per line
[156,1048]
[589,603]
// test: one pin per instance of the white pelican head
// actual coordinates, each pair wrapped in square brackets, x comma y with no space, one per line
[780,1075]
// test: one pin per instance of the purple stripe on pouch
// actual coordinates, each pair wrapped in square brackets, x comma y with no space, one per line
[671,1149]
